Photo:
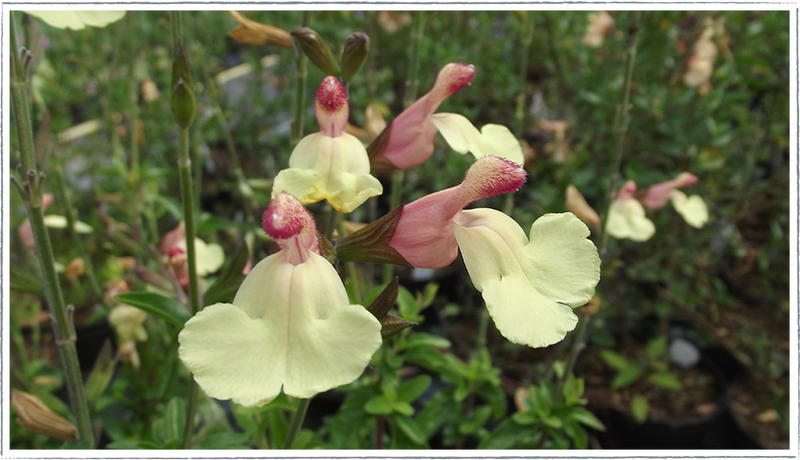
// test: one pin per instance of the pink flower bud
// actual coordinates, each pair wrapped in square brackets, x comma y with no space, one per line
[331,107]
[292,226]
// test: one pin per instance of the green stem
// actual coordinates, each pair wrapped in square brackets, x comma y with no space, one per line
[300,99]
[61,185]
[63,329]
[185,167]
[297,423]
[413,65]
[621,127]
[527,40]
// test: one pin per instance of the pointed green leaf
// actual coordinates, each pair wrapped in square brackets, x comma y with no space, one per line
[627,376]
[639,408]
[170,310]
[665,380]
[101,374]
[412,389]
[614,359]
[410,428]
[224,288]
[378,405]
[175,419]
[657,347]
[587,418]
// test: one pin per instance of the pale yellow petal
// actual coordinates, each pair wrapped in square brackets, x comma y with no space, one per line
[491,140]
[693,209]
[209,257]
[77,19]
[100,18]
[565,264]
[626,219]
[290,327]
[332,168]
[529,287]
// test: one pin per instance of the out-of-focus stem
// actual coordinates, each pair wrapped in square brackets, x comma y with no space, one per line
[413,65]
[300,99]
[296,423]
[621,129]
[32,183]
[61,185]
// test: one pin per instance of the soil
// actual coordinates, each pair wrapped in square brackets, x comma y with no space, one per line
[754,412]
[699,397]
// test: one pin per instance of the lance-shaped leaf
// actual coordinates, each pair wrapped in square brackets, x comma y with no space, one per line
[354,54]
[385,300]
[370,244]
[183,104]
[101,374]
[224,288]
[170,310]
[317,51]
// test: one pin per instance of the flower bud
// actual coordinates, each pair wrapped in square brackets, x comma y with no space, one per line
[316,50]
[354,54]
[182,103]
[251,32]
[35,416]
[330,107]
[577,205]
[74,268]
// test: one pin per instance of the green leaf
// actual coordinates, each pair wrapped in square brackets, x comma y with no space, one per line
[639,408]
[587,418]
[101,374]
[657,347]
[552,421]
[505,436]
[170,310]
[407,305]
[627,376]
[525,418]
[479,417]
[402,407]
[223,441]
[559,367]
[410,428]
[379,405]
[224,288]
[428,295]
[614,359]
[666,380]
[412,389]
[422,339]
[175,419]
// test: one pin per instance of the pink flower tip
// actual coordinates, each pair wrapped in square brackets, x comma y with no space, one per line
[627,190]
[331,107]
[491,176]
[453,77]
[285,217]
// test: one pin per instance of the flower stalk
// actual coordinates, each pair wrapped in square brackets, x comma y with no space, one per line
[300,96]
[621,128]
[183,109]
[31,188]
[296,423]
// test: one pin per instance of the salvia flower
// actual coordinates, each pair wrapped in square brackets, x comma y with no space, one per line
[209,256]
[626,218]
[529,283]
[408,140]
[290,326]
[693,209]
[331,164]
